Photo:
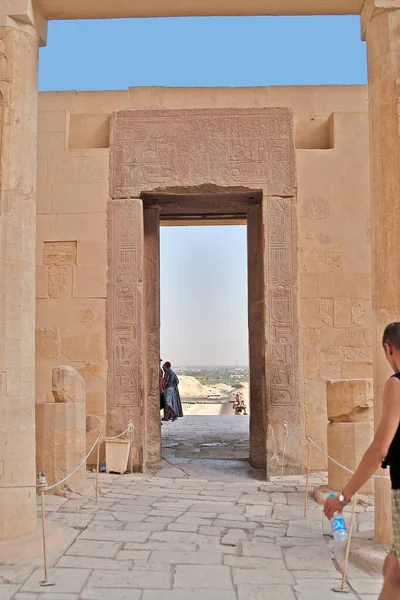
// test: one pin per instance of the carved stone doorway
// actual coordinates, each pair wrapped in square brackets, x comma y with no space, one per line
[213,164]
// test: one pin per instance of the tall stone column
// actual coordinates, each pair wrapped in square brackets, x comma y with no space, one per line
[19,42]
[381,29]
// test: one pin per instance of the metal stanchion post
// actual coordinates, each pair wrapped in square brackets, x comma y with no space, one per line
[307,477]
[347,553]
[131,448]
[347,550]
[97,470]
[285,434]
[43,485]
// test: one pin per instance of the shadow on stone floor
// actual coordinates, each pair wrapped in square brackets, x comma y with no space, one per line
[214,437]
[210,469]
[210,447]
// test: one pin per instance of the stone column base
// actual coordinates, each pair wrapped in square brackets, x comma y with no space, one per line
[347,443]
[30,546]
[365,554]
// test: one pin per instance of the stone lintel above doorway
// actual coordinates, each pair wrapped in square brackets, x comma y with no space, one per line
[153,150]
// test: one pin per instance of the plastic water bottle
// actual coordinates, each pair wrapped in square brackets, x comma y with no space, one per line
[339,529]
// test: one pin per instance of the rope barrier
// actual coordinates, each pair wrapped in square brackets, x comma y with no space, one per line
[129,429]
[51,487]
[309,439]
[99,439]
[45,488]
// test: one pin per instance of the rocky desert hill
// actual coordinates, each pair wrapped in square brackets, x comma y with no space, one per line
[190,387]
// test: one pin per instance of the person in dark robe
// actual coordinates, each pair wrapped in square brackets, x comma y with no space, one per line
[165,405]
[171,383]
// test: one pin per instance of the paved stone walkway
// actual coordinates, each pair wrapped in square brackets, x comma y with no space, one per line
[178,536]
[222,437]
[187,539]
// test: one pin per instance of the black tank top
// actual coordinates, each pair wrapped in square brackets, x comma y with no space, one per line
[393,457]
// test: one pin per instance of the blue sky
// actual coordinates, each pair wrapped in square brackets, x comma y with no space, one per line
[231,51]
[204,312]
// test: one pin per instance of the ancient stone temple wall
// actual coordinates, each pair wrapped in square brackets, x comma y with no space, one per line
[334,265]
[71,258]
[332,249]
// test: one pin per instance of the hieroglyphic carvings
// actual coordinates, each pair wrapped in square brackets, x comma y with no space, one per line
[282,301]
[151,438]
[231,147]
[316,207]
[125,286]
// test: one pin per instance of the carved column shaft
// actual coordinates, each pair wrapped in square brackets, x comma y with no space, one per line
[18,127]
[381,29]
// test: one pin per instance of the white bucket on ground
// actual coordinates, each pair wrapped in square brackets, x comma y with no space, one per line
[117,453]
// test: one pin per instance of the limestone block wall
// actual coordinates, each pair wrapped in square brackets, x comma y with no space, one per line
[334,320]
[334,266]
[71,261]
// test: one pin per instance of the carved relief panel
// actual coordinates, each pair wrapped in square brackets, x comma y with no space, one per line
[152,149]
[283,327]
[124,311]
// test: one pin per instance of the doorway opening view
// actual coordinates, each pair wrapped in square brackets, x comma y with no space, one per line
[193,333]
[204,336]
